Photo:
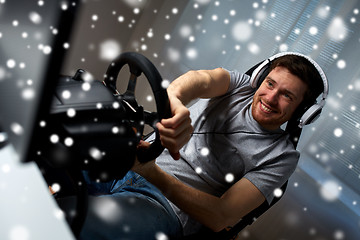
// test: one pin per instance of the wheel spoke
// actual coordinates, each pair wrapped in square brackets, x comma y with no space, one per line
[151,118]
[132,84]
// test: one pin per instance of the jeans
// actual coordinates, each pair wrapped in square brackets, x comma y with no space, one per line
[130,208]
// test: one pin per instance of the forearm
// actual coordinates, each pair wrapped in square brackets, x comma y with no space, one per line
[199,84]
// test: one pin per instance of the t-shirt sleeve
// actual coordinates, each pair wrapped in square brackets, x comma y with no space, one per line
[237,80]
[272,175]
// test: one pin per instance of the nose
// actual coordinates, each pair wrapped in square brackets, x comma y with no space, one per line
[272,98]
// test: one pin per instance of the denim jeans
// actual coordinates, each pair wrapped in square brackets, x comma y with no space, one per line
[130,208]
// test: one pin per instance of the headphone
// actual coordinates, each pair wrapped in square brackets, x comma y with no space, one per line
[312,113]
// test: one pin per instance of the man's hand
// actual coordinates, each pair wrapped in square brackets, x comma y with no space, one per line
[176,131]
[143,168]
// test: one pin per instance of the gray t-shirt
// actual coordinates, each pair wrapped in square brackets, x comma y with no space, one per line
[227,145]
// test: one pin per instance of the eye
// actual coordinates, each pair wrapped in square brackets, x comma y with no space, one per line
[288,96]
[269,83]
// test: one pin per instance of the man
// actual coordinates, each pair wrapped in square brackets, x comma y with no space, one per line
[229,149]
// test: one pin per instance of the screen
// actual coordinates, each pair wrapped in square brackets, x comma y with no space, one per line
[33,41]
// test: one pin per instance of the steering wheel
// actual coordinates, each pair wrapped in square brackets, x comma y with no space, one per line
[139,64]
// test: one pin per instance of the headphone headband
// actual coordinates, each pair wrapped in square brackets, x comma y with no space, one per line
[313,112]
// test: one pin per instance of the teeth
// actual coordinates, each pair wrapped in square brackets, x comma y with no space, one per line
[263,107]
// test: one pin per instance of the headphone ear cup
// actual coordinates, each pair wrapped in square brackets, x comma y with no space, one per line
[310,115]
[262,76]
[259,74]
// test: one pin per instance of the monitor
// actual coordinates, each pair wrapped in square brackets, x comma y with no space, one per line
[34,38]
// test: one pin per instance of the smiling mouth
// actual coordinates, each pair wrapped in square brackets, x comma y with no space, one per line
[265,108]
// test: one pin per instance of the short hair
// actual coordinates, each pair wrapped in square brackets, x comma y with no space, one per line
[306,71]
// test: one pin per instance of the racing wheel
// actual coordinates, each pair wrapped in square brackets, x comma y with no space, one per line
[93,127]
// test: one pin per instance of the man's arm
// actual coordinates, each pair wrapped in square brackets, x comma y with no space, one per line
[200,84]
[213,212]
[176,131]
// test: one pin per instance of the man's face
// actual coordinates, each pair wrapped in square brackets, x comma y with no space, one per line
[277,98]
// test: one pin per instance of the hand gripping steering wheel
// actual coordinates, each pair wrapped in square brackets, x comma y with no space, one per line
[139,64]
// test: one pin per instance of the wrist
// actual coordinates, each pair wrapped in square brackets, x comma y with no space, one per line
[148,171]
[173,93]
[178,94]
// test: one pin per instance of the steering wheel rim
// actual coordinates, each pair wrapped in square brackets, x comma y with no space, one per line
[139,64]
